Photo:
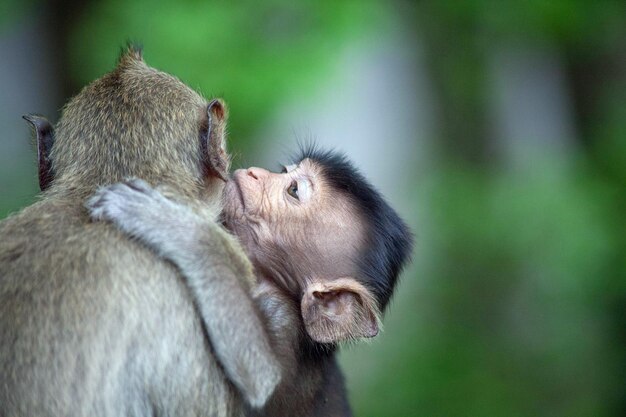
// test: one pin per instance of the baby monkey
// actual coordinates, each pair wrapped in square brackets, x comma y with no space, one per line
[323,251]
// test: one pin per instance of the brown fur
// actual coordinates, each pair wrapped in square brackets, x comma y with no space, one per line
[92,323]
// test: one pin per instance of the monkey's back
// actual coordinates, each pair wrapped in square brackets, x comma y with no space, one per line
[93,324]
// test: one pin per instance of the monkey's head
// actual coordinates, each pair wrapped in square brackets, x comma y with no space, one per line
[135,122]
[322,234]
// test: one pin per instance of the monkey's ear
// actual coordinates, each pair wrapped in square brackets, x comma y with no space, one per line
[213,140]
[338,310]
[45,140]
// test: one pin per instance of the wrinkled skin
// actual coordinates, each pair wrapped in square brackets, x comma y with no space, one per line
[314,226]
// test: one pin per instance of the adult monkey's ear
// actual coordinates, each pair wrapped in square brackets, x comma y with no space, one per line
[45,139]
[339,309]
[213,140]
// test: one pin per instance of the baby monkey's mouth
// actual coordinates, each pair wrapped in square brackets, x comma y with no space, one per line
[234,206]
[237,190]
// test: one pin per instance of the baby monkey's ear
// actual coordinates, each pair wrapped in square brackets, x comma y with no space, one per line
[339,309]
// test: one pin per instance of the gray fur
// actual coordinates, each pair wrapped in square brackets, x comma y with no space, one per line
[215,269]
[92,323]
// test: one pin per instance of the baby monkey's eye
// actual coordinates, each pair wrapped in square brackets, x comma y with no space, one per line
[293,190]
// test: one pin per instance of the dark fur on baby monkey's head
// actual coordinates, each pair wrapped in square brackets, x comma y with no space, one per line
[388,242]
[321,233]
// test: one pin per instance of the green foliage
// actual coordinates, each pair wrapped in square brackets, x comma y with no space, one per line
[22,191]
[254,54]
[507,318]
[610,126]
[516,305]
[11,10]
[575,22]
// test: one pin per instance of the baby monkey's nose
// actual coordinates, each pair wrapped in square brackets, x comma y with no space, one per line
[256,173]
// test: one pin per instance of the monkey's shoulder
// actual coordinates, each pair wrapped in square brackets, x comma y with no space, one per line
[58,244]
[54,250]
[97,292]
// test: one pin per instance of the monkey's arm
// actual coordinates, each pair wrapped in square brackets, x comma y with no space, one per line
[216,271]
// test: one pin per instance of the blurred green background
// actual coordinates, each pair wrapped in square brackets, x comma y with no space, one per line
[498,129]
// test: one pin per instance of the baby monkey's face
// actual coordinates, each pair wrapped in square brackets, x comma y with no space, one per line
[293,222]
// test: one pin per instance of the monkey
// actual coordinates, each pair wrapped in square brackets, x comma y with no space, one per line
[62,201]
[326,251]
[92,323]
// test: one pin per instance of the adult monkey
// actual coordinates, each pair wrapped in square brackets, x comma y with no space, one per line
[90,322]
